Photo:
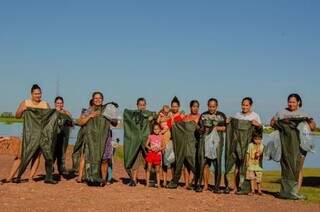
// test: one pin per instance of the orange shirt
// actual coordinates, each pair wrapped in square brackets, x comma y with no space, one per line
[40,105]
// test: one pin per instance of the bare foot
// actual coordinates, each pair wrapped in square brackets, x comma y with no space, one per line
[251,193]
[79,180]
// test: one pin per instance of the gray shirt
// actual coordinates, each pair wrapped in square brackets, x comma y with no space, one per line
[285,114]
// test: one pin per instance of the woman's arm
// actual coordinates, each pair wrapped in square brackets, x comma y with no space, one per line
[256,123]
[83,120]
[273,122]
[312,124]
[220,128]
[22,107]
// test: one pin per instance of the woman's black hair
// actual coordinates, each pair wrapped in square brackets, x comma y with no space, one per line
[249,99]
[175,100]
[213,100]
[91,102]
[35,87]
[141,99]
[58,98]
[97,92]
[297,97]
[194,102]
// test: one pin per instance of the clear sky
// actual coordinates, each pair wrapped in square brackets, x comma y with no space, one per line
[158,49]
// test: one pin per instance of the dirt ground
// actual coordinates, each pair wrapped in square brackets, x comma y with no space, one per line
[71,196]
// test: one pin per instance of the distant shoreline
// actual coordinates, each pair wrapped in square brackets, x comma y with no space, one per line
[12,120]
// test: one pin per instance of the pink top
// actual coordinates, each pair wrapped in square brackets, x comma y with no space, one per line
[155,142]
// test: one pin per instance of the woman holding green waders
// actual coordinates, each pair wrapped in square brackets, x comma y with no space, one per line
[34,102]
[293,156]
[96,131]
[239,133]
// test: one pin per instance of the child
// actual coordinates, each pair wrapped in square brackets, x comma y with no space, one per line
[115,145]
[254,159]
[163,118]
[155,145]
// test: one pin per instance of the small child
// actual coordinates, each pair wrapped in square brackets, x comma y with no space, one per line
[254,160]
[155,145]
[163,118]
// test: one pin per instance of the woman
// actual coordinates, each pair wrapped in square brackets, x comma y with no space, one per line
[176,116]
[35,102]
[194,116]
[95,138]
[137,128]
[239,134]
[211,120]
[293,156]
[61,143]
[184,142]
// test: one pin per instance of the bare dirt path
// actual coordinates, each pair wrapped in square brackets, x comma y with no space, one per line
[70,196]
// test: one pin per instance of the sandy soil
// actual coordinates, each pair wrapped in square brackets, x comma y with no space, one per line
[71,196]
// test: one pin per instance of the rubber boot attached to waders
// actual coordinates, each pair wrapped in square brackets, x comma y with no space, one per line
[49,176]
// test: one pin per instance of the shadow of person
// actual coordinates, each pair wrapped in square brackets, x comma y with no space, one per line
[125,180]
[311,181]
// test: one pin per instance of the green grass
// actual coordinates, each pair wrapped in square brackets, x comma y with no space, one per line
[119,152]
[310,186]
[316,133]
[271,181]
[268,130]
[10,120]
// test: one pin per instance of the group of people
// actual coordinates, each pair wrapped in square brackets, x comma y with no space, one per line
[167,144]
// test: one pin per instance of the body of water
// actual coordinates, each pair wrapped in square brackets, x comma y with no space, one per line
[312,160]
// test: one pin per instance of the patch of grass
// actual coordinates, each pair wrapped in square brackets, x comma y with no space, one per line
[119,152]
[10,120]
[310,186]
[271,181]
[268,130]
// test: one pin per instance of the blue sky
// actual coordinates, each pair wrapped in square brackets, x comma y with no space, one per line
[158,49]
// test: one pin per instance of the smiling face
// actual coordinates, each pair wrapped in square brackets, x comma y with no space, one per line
[36,95]
[59,104]
[142,105]
[175,107]
[293,104]
[194,108]
[156,129]
[212,106]
[246,106]
[97,100]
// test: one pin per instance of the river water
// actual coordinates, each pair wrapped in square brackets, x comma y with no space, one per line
[312,160]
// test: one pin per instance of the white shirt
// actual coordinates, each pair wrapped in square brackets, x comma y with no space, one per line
[248,117]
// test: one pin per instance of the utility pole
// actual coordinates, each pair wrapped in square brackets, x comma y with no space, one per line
[58,86]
